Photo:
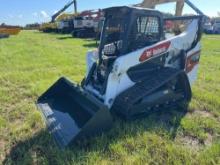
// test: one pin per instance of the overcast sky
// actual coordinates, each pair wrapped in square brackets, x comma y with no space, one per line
[21,12]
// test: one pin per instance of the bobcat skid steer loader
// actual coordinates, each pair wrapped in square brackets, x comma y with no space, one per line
[135,70]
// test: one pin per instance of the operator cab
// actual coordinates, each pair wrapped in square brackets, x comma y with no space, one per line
[125,30]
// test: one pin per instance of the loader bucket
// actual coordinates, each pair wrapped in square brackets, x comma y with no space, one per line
[72,113]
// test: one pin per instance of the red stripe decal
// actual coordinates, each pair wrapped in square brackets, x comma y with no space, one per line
[157,50]
[192,60]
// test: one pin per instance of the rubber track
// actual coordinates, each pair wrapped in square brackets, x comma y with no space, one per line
[127,99]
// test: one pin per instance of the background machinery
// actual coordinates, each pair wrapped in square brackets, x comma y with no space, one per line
[53,25]
[6,30]
[87,24]
[84,24]
[216,26]
[137,69]
[64,8]
[65,21]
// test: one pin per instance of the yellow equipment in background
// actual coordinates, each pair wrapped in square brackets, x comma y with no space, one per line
[48,27]
[9,30]
[66,16]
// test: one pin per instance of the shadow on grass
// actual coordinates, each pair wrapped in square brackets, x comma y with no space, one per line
[65,37]
[91,45]
[52,33]
[41,148]
[70,37]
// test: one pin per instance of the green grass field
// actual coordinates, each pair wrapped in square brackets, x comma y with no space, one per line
[32,61]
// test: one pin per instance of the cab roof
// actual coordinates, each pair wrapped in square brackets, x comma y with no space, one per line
[128,9]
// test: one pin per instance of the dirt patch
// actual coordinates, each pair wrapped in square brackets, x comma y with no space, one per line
[1,144]
[190,142]
[208,141]
[2,148]
[193,141]
[203,113]
[212,38]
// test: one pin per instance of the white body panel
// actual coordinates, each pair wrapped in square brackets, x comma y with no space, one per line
[118,80]
[91,58]
[192,75]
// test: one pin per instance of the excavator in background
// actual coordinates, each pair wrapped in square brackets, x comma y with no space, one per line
[83,25]
[137,69]
[53,25]
[65,22]
[64,8]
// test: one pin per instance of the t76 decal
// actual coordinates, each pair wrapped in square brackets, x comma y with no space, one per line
[157,50]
